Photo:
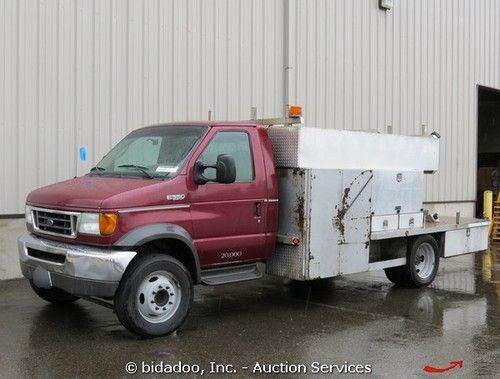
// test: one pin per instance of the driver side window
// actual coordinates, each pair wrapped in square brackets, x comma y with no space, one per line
[236,144]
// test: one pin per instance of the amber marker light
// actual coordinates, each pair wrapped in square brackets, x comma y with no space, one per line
[294,111]
[107,223]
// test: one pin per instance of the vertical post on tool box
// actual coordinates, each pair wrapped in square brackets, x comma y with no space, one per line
[286,57]
[253,113]
[488,208]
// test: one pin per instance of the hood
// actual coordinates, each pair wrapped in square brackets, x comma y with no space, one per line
[86,192]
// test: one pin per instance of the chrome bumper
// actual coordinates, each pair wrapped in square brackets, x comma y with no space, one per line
[76,269]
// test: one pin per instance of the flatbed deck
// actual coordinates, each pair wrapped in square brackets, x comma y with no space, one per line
[446,224]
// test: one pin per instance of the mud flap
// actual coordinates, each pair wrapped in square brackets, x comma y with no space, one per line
[41,278]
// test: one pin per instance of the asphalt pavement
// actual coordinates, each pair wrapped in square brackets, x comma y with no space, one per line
[355,322]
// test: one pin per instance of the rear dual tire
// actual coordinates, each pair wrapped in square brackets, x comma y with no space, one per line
[422,264]
[154,296]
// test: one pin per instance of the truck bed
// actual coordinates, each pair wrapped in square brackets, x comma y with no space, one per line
[446,224]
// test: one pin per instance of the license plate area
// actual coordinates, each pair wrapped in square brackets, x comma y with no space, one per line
[41,278]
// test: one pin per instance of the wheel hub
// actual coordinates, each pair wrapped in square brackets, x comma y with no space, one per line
[158,297]
[425,260]
[161,298]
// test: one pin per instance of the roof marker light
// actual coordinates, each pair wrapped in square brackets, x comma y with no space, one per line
[294,111]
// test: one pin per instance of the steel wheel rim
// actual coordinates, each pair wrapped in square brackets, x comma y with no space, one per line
[158,297]
[425,260]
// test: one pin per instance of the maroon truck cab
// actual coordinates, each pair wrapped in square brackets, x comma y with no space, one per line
[170,206]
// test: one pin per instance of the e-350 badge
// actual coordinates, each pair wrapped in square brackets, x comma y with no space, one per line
[176,197]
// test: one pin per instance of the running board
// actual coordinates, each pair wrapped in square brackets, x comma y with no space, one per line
[224,275]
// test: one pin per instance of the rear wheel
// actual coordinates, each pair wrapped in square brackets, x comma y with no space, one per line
[154,296]
[53,295]
[422,263]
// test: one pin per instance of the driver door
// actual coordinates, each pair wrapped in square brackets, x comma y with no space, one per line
[229,220]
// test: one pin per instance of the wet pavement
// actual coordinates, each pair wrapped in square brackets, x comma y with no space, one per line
[361,319]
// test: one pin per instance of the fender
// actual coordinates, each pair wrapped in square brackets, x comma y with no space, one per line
[147,233]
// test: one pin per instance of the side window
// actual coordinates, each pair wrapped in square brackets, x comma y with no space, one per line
[236,144]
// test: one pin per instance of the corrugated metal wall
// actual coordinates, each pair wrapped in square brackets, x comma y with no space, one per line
[83,73]
[357,67]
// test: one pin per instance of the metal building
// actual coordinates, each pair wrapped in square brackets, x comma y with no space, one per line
[82,73]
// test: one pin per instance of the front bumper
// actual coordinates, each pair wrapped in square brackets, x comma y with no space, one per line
[77,269]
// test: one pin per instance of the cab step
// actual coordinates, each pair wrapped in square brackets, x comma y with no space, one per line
[224,275]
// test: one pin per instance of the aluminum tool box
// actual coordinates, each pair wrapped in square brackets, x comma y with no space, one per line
[343,192]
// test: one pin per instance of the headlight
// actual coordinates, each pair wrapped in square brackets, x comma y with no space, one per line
[89,223]
[28,214]
[98,223]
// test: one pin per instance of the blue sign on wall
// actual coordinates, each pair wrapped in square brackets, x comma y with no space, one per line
[83,153]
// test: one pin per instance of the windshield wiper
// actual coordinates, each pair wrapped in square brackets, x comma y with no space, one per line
[98,170]
[142,169]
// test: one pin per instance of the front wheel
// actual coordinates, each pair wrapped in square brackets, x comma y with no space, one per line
[422,263]
[154,296]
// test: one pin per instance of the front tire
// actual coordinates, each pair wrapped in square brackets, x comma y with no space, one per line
[422,264]
[154,296]
[53,295]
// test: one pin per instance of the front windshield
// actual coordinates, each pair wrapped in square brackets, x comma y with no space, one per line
[155,152]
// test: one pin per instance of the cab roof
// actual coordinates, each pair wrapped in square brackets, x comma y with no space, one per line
[205,123]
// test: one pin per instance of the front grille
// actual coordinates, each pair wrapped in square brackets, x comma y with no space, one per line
[45,256]
[54,222]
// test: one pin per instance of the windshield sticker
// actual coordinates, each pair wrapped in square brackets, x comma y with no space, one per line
[168,169]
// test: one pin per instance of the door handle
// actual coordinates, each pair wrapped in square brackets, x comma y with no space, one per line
[258,209]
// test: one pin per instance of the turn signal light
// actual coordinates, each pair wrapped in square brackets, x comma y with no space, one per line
[107,223]
[294,111]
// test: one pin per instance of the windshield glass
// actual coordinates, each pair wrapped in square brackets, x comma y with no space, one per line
[156,152]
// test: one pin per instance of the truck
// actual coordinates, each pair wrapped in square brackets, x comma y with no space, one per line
[180,204]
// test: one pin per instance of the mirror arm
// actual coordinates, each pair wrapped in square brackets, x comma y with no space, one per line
[199,178]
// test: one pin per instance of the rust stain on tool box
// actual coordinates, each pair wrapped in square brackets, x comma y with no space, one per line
[299,214]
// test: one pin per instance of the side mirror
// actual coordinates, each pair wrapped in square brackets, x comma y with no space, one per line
[225,170]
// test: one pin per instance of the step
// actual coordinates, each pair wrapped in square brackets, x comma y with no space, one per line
[232,274]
